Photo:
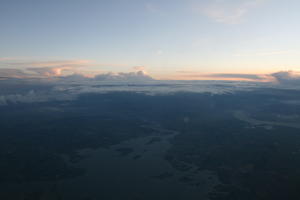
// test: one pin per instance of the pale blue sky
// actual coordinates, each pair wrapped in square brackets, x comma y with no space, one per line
[165,36]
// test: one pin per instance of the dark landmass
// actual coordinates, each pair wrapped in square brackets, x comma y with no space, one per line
[125,151]
[41,141]
[164,175]
[153,140]
[136,157]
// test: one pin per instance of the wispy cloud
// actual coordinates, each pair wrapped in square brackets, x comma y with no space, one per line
[229,12]
[24,69]
[282,77]
[223,76]
[239,76]
[12,73]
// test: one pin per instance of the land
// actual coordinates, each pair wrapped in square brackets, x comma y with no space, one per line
[243,145]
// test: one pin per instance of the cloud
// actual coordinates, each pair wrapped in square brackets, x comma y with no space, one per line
[62,90]
[36,72]
[139,68]
[223,76]
[56,74]
[73,70]
[130,76]
[68,88]
[75,78]
[14,68]
[49,71]
[287,77]
[13,73]
[230,11]
[34,97]
[40,69]
[281,77]
[239,76]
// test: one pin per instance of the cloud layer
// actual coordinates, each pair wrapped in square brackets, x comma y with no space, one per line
[62,90]
[253,77]
[12,73]
[225,76]
[68,88]
[74,70]
[287,77]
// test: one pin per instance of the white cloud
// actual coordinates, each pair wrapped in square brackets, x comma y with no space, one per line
[127,77]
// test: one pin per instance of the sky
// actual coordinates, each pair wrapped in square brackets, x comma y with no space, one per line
[170,39]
